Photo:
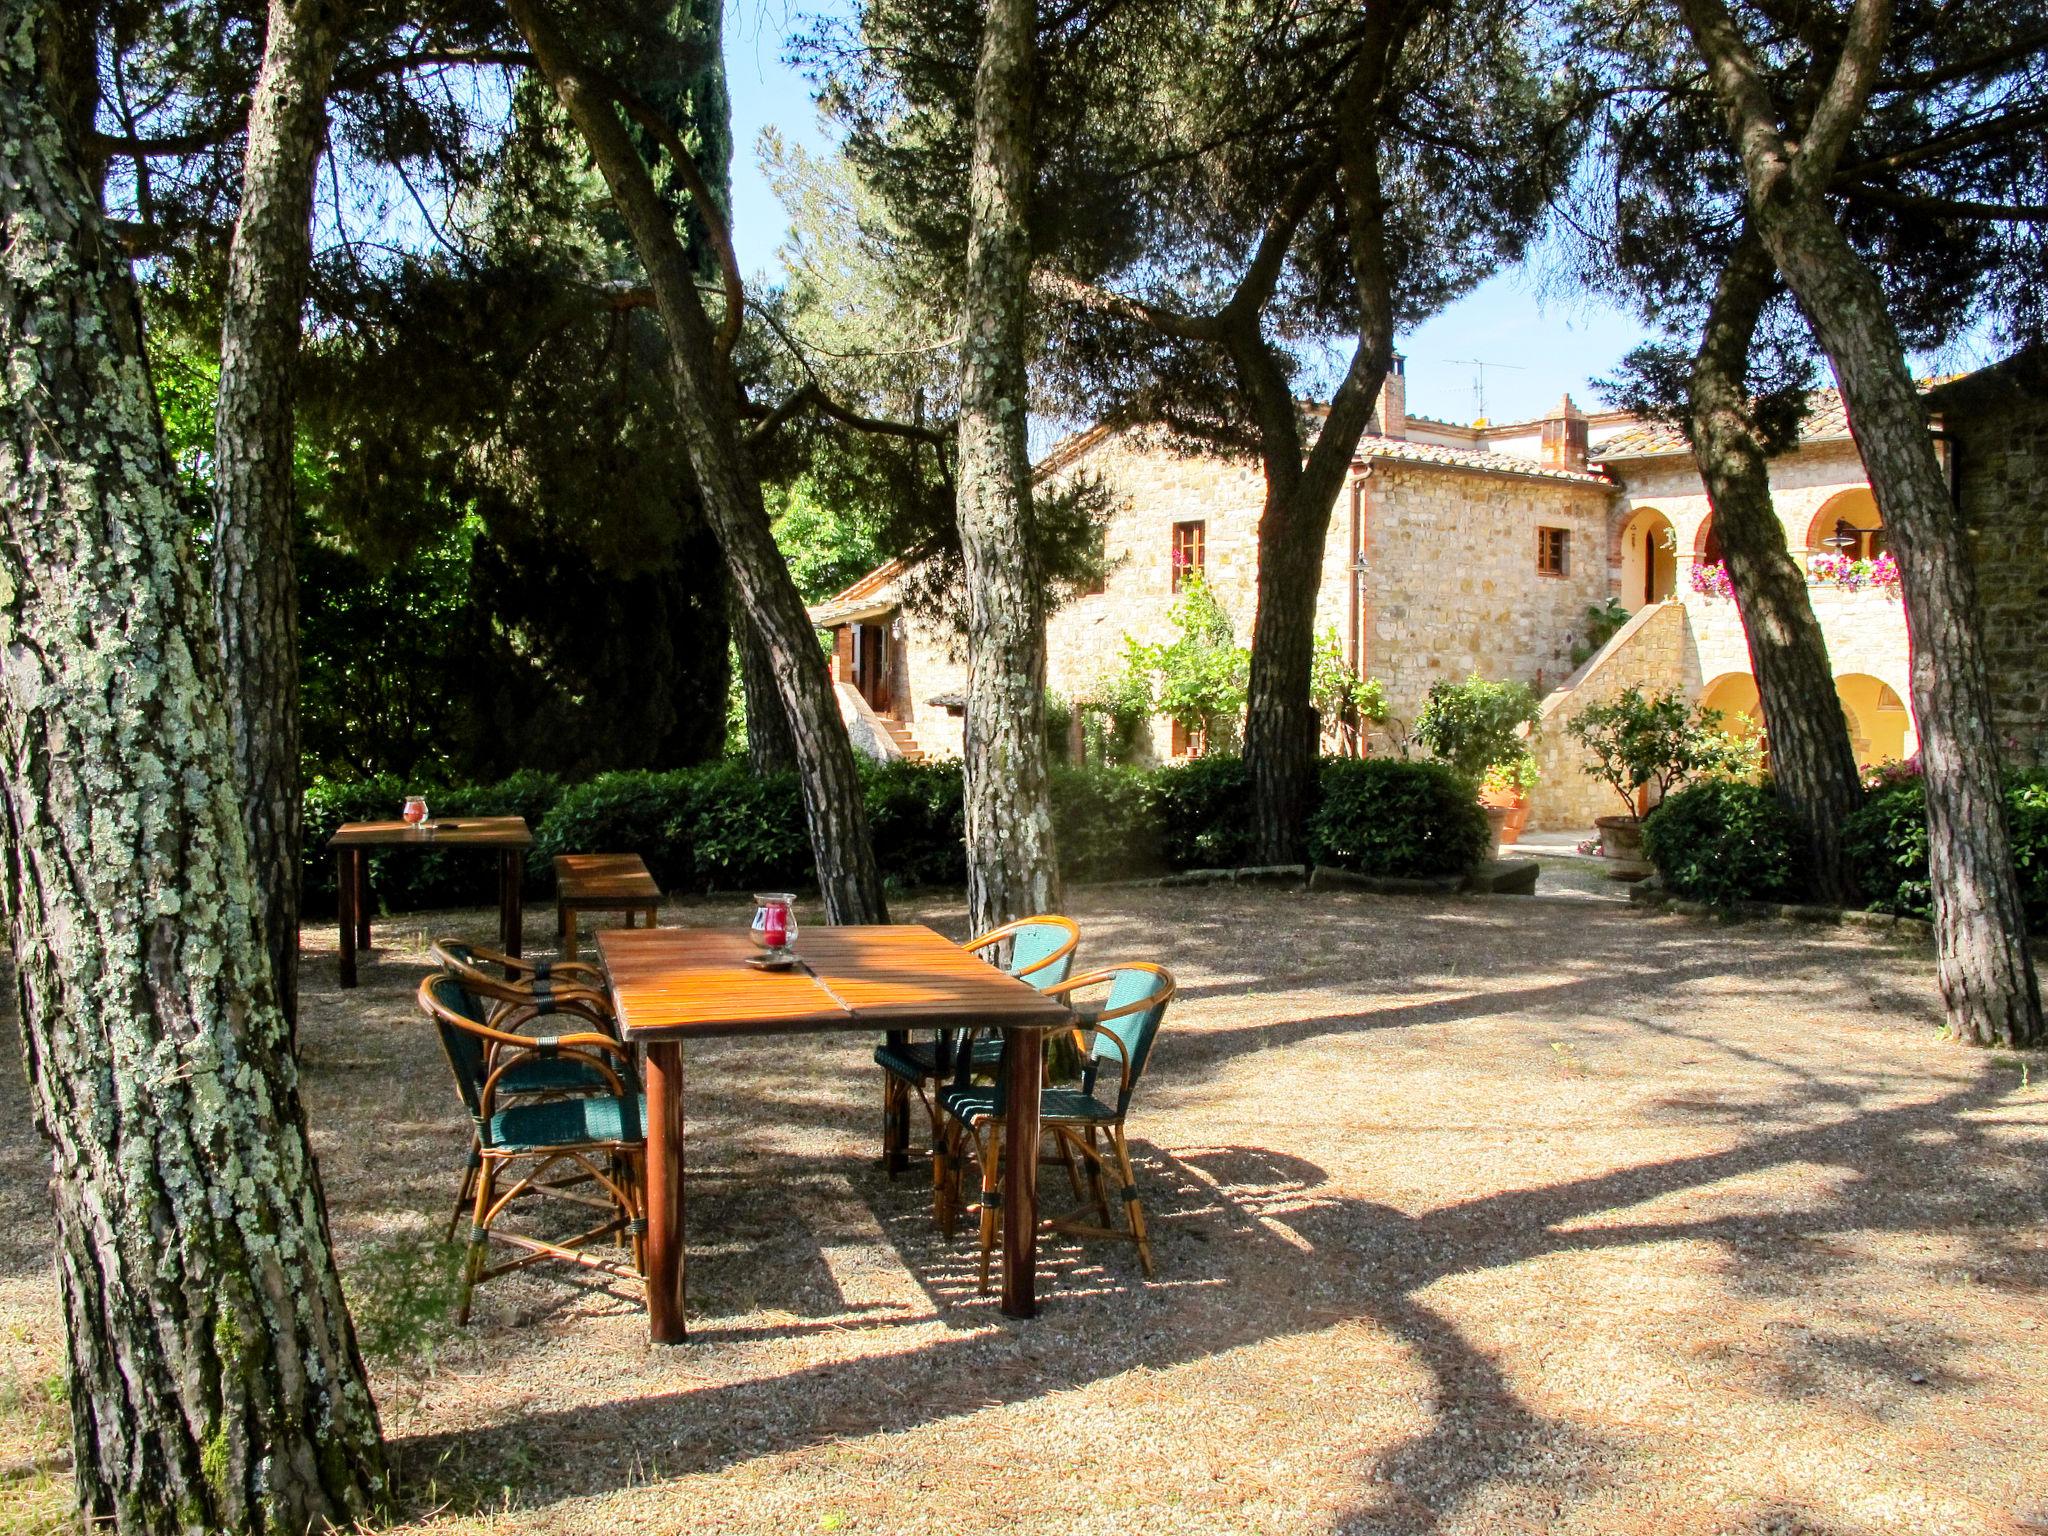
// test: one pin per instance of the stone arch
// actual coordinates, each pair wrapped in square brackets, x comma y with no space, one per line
[1880,726]
[1706,544]
[1647,551]
[1847,514]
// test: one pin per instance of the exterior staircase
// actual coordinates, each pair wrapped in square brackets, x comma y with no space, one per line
[906,743]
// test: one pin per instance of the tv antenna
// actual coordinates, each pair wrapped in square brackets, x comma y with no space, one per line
[1479,365]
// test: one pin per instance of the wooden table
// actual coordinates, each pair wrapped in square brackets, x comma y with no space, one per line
[354,840]
[601,882]
[677,984]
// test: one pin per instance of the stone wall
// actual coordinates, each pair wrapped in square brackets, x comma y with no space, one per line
[1654,650]
[1451,584]
[1997,422]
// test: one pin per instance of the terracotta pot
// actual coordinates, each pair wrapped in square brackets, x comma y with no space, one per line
[1516,803]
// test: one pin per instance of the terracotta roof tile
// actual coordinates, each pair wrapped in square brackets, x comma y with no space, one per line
[1404,452]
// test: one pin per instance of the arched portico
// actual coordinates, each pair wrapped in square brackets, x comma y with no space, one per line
[1847,524]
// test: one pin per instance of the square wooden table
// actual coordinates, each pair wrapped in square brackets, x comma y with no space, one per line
[353,841]
[677,984]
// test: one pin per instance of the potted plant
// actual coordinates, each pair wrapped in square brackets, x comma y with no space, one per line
[1638,742]
[1481,729]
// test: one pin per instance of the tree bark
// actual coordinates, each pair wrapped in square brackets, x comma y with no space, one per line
[215,1383]
[1012,867]
[1280,735]
[1985,972]
[1813,767]
[708,417]
[770,747]
[255,579]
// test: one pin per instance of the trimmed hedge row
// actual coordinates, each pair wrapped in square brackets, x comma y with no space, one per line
[1726,841]
[723,827]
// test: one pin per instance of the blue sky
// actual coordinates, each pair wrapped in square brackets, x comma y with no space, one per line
[1535,349]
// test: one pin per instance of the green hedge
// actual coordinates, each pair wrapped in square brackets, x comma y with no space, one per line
[1389,816]
[1727,842]
[723,827]
[1724,841]
[1887,843]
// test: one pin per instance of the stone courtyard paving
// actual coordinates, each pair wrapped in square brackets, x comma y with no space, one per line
[1473,1216]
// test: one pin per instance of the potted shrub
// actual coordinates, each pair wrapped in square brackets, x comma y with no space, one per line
[1481,730]
[1637,741]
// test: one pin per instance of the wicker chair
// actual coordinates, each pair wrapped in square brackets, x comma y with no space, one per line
[1123,1031]
[570,982]
[1041,951]
[601,1135]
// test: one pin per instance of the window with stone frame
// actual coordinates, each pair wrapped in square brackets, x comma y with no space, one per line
[1553,551]
[1187,549]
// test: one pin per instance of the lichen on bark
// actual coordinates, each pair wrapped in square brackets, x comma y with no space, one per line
[214,1379]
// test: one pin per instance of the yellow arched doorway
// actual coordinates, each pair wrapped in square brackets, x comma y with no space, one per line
[1649,559]
[1880,727]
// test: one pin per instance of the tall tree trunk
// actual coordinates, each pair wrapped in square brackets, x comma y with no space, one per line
[770,747]
[1012,869]
[255,580]
[215,1383]
[707,415]
[1813,766]
[1280,735]
[1986,975]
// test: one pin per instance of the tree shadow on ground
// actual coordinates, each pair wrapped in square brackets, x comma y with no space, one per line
[1356,1262]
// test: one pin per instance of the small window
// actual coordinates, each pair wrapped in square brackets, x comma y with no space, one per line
[1187,550]
[1553,551]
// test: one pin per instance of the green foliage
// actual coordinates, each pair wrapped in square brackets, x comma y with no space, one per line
[1199,680]
[1389,816]
[829,546]
[1059,725]
[1339,694]
[1202,817]
[1107,822]
[628,812]
[1475,725]
[1724,841]
[917,818]
[1637,739]
[1886,841]
[1603,622]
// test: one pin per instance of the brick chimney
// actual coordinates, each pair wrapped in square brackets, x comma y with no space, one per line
[1564,437]
[1391,411]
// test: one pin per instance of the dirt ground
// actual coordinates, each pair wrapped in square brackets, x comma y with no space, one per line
[1473,1216]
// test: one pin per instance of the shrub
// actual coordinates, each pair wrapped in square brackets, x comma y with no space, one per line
[1389,816]
[1202,818]
[746,830]
[1636,740]
[1724,841]
[1475,726]
[626,812]
[1887,845]
[1106,822]
[916,814]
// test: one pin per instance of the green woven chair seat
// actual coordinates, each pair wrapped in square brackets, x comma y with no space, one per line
[917,1061]
[566,1123]
[552,1074]
[974,1106]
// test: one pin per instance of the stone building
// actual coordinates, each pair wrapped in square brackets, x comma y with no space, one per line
[1453,550]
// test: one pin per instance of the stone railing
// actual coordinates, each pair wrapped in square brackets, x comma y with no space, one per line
[1650,651]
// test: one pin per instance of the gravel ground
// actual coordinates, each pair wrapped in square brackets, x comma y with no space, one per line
[1472,1216]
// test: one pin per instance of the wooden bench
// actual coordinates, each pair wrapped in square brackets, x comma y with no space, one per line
[601,882]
